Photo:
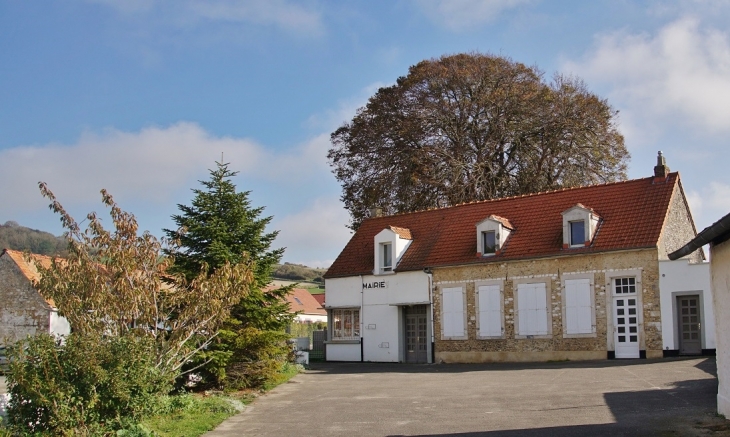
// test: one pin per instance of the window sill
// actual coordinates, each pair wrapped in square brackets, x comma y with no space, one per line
[383,273]
[591,335]
[342,342]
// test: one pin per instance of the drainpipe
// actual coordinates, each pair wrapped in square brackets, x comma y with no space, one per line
[429,273]
[362,321]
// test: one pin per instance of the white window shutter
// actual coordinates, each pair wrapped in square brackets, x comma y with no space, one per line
[532,309]
[578,308]
[453,312]
[490,311]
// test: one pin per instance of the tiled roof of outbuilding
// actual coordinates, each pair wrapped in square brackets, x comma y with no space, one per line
[302,300]
[632,216]
[29,269]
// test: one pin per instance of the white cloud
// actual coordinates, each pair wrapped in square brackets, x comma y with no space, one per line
[680,72]
[346,109]
[286,15]
[283,14]
[147,165]
[459,15]
[709,204]
[305,233]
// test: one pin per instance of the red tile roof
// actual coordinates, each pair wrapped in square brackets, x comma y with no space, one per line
[402,232]
[301,300]
[319,298]
[29,269]
[633,214]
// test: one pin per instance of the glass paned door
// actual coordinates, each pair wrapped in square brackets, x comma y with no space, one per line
[626,318]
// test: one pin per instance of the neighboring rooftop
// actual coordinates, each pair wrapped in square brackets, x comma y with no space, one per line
[301,300]
[29,269]
[632,216]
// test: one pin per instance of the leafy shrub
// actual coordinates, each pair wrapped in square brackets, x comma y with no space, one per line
[85,386]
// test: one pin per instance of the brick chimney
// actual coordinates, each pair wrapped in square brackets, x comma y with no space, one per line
[661,170]
[376,211]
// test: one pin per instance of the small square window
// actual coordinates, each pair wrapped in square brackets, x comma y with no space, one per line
[577,233]
[489,242]
[387,257]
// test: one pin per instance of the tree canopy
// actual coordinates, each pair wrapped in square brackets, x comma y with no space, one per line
[472,127]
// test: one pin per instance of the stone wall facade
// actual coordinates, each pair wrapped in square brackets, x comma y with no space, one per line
[23,311]
[678,228]
[643,264]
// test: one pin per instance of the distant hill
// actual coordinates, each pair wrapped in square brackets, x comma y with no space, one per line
[298,272]
[17,237]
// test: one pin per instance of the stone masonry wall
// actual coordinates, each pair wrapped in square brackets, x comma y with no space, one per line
[556,347]
[22,309]
[678,229]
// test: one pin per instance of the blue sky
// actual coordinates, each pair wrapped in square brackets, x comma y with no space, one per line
[141,97]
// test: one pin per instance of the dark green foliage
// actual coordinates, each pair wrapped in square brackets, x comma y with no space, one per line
[296,272]
[16,237]
[86,386]
[221,226]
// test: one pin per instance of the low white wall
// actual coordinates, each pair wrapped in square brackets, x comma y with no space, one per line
[677,278]
[343,352]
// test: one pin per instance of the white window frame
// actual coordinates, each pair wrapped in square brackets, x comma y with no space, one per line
[449,289]
[355,328]
[386,248]
[590,221]
[582,238]
[501,234]
[610,295]
[548,307]
[592,292]
[484,243]
[478,305]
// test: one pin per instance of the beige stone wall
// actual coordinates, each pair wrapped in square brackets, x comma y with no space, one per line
[509,348]
[720,272]
[23,311]
[678,228]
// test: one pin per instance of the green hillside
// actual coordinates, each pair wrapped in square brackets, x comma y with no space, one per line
[298,272]
[17,237]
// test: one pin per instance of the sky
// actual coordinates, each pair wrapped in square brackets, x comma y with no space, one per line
[142,97]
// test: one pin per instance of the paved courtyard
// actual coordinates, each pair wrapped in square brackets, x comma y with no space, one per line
[671,397]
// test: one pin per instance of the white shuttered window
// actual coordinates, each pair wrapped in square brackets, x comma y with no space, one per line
[532,309]
[452,309]
[578,307]
[489,299]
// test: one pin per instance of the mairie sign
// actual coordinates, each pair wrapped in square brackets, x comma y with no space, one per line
[375,284]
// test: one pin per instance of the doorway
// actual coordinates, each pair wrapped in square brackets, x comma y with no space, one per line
[690,340]
[416,319]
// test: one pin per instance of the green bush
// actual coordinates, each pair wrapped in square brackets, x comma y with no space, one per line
[85,386]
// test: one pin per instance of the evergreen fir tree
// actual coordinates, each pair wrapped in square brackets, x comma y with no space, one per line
[218,227]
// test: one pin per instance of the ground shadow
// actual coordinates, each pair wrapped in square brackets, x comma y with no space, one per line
[707,364]
[688,408]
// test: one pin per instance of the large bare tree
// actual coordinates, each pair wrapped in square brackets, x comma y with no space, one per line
[472,127]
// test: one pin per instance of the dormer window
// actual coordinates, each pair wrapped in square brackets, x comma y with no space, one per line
[492,234]
[489,242]
[387,249]
[577,233]
[390,245]
[580,225]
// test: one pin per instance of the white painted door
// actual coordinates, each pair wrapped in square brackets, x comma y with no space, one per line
[626,326]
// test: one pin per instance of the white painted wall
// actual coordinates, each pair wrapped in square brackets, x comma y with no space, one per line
[58,324]
[720,272]
[310,318]
[678,278]
[380,313]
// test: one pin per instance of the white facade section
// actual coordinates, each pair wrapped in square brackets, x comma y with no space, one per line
[397,247]
[720,274]
[682,278]
[381,314]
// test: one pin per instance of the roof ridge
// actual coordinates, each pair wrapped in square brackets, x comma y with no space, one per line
[520,196]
